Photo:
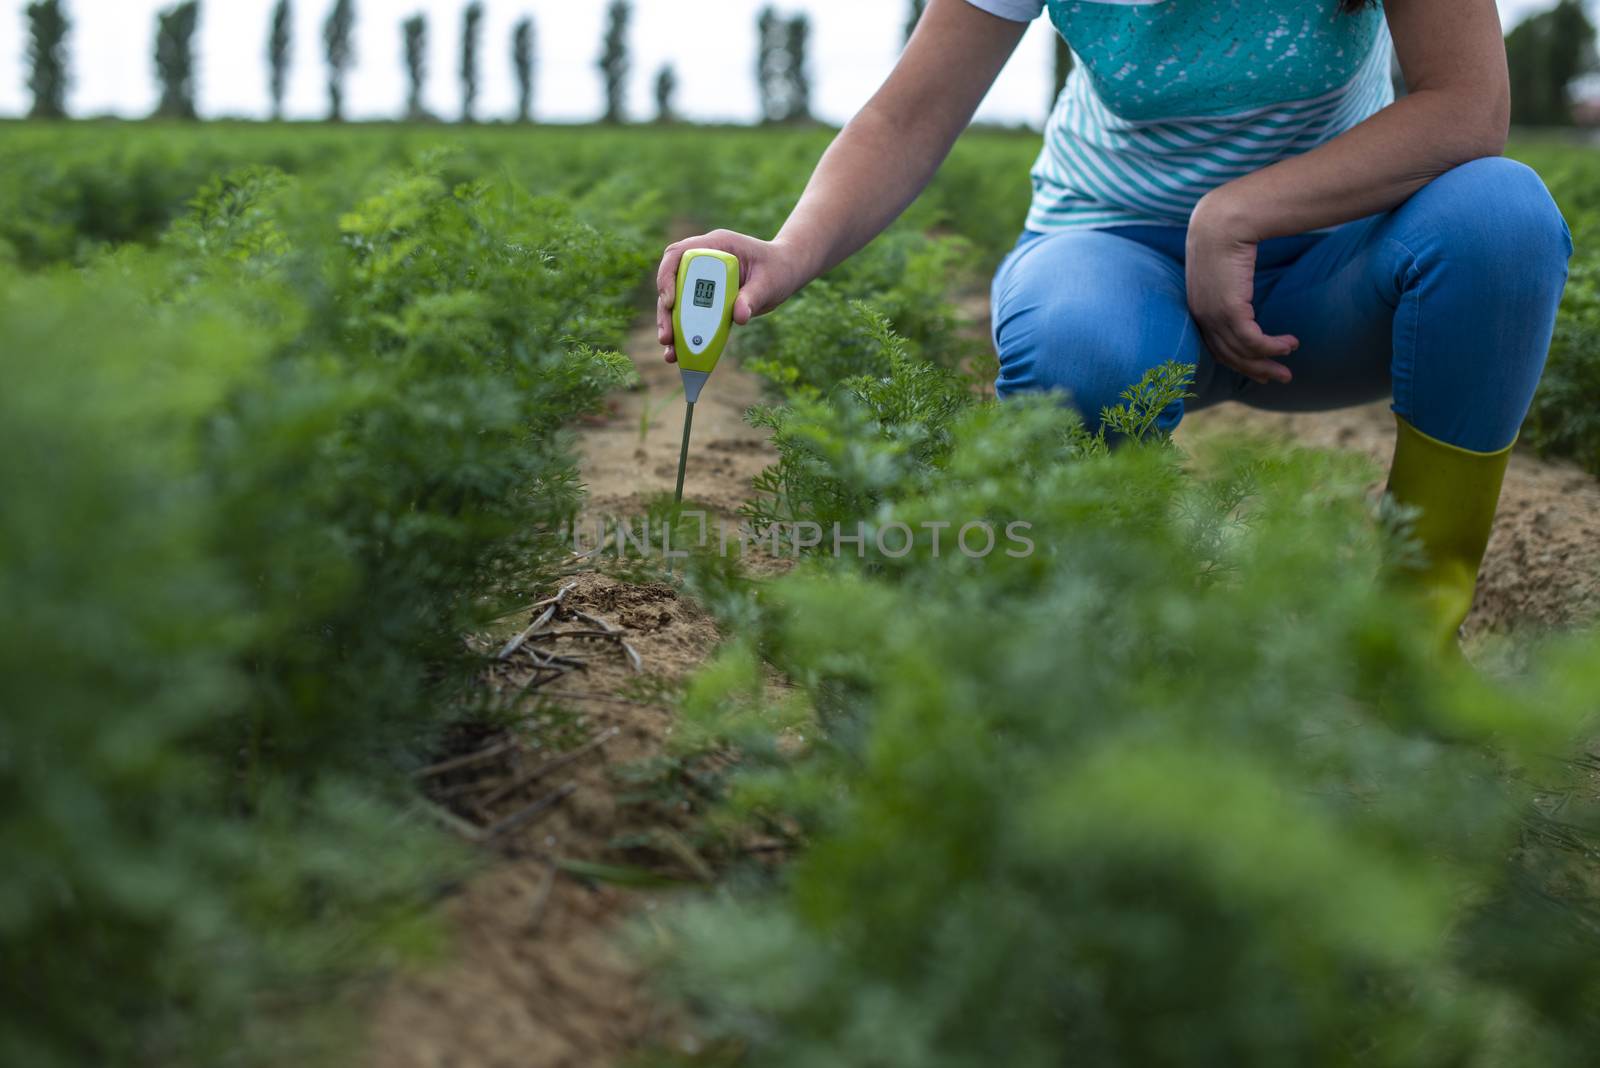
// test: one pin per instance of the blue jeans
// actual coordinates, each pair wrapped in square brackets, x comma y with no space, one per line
[1446,304]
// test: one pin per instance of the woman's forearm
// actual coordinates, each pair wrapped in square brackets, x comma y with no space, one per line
[889,152]
[874,169]
[1371,168]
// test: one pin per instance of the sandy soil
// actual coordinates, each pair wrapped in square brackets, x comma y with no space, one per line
[624,469]
[537,979]
[1542,569]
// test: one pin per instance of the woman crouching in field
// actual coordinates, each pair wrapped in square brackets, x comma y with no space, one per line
[1231,184]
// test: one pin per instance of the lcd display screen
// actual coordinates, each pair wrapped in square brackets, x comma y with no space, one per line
[705,291]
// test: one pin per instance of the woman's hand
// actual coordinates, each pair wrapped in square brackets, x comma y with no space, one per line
[1220,269]
[770,273]
[877,165]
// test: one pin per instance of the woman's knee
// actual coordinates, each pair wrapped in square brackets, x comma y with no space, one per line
[1494,214]
[1073,352]
[1085,313]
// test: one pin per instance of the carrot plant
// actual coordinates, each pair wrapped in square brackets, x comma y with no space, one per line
[1175,787]
[1166,781]
[260,477]
[1565,421]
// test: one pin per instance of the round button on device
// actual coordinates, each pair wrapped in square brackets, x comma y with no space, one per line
[697,340]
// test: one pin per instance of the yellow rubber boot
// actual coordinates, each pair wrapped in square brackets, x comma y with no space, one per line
[1456,491]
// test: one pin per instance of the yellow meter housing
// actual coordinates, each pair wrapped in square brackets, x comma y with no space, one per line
[702,315]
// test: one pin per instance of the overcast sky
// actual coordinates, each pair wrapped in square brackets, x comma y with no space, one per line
[710,42]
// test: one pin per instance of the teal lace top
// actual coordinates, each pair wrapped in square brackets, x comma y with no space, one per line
[1169,99]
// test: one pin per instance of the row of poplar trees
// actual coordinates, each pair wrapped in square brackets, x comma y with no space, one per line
[49,27]
[1546,52]
[783,77]
[414,31]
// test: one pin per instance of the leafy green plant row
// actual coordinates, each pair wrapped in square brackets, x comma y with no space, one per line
[259,478]
[1177,787]
[268,451]
[66,192]
[1564,421]
[1172,783]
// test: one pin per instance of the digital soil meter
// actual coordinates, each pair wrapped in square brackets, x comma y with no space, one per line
[702,319]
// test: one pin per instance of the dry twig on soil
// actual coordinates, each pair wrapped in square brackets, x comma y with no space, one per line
[679,847]
[597,622]
[524,816]
[450,821]
[554,764]
[554,604]
[610,635]
[482,756]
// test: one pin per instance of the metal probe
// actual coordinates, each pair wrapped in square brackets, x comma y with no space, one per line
[683,454]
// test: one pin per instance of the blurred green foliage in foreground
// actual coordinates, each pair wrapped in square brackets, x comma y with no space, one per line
[258,479]
[1179,786]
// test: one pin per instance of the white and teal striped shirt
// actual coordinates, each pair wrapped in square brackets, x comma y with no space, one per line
[1169,99]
